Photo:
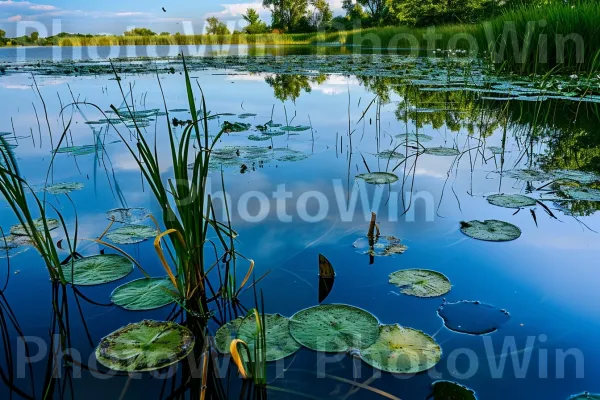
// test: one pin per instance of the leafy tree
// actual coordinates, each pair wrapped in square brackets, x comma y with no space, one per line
[165,34]
[287,14]
[322,13]
[2,34]
[216,27]
[140,32]
[35,36]
[255,25]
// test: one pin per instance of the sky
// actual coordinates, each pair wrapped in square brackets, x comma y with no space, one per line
[50,17]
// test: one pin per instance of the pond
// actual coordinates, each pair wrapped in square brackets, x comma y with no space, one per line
[303,127]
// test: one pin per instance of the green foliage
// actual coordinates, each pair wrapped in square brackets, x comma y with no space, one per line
[140,32]
[255,25]
[2,34]
[216,27]
[35,36]
[165,34]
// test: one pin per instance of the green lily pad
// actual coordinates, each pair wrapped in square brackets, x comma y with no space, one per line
[63,188]
[258,138]
[412,137]
[584,194]
[491,230]
[246,115]
[442,151]
[446,390]
[77,150]
[579,176]
[402,350]
[144,294]
[131,234]
[299,128]
[390,154]
[145,346]
[273,132]
[585,396]
[529,175]
[421,282]
[334,328]
[176,110]
[97,270]
[378,178]
[235,127]
[280,343]
[19,230]
[511,200]
[129,216]
[382,246]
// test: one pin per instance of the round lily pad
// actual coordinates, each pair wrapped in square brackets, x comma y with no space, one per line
[585,396]
[97,270]
[390,154]
[382,246]
[511,200]
[259,138]
[144,294]
[421,282]
[579,176]
[298,128]
[491,230]
[226,333]
[273,132]
[446,390]
[128,216]
[442,151]
[402,350]
[378,178]
[131,234]
[145,346]
[63,188]
[412,137]
[19,230]
[529,175]
[584,194]
[77,150]
[334,328]
[472,317]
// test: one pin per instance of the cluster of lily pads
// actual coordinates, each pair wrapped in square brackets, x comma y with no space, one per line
[251,156]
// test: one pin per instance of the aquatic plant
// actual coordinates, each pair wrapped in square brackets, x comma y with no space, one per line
[420,282]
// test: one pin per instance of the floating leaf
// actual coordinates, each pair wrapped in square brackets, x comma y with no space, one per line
[579,176]
[402,350]
[421,282]
[63,188]
[334,328]
[529,175]
[145,346]
[585,194]
[325,267]
[412,137]
[128,216]
[442,151]
[176,110]
[77,150]
[446,390]
[381,246]
[144,294]
[235,127]
[511,200]
[490,230]
[390,154]
[97,270]
[585,396]
[131,234]
[298,128]
[280,343]
[246,115]
[19,230]
[378,178]
[472,317]
[272,132]
[258,138]
[495,150]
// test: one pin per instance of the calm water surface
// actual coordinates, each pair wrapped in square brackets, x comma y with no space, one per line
[547,279]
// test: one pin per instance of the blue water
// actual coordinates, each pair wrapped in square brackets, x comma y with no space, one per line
[547,279]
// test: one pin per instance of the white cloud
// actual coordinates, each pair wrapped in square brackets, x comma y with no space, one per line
[15,18]
[238,9]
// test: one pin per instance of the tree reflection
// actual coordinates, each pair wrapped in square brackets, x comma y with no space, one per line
[290,87]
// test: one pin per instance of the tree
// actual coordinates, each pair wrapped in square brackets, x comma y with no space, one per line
[286,14]
[255,25]
[216,27]
[371,11]
[140,32]
[2,34]
[322,13]
[35,36]
[165,34]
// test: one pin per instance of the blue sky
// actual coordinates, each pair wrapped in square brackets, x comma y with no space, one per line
[116,16]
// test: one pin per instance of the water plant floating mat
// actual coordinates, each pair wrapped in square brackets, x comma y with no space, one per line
[145,346]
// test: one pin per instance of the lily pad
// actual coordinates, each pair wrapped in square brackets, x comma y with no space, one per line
[491,230]
[258,138]
[129,216]
[511,200]
[246,115]
[273,132]
[585,194]
[19,230]
[402,351]
[421,282]
[446,390]
[63,188]
[495,149]
[413,137]
[299,128]
[585,396]
[280,343]
[144,294]
[382,246]
[334,328]
[97,270]
[378,178]
[442,151]
[77,150]
[579,176]
[529,175]
[472,317]
[390,154]
[131,234]
[145,346]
